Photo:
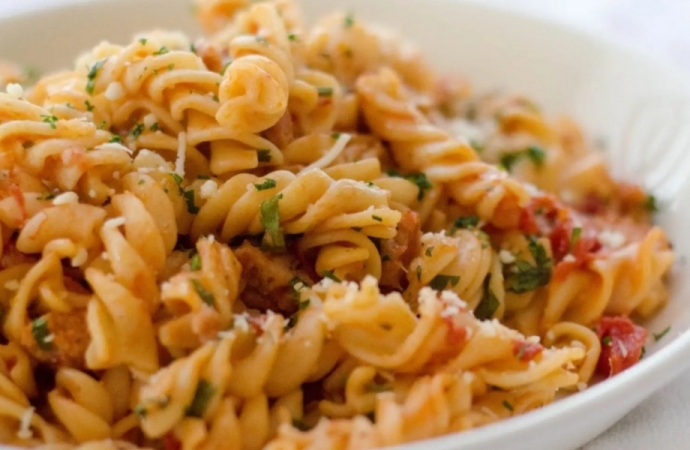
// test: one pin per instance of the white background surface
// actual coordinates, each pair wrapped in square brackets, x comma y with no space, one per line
[661,27]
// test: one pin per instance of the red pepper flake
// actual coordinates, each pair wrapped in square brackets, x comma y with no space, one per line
[526,351]
[622,344]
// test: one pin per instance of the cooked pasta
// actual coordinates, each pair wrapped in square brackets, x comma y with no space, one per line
[289,238]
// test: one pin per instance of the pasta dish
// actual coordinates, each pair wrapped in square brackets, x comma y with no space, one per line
[280,237]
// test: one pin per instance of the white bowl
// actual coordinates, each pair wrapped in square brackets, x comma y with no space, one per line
[638,105]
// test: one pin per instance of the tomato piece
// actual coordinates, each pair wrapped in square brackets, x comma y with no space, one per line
[457,333]
[621,344]
[526,351]
[170,442]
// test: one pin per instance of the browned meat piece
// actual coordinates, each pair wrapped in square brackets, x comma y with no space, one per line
[282,133]
[65,341]
[11,256]
[399,251]
[267,277]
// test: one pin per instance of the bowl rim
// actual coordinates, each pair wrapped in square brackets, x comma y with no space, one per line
[664,364]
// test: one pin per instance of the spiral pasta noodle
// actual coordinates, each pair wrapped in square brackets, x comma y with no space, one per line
[281,237]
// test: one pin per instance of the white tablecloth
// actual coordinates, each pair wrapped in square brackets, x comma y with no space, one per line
[661,27]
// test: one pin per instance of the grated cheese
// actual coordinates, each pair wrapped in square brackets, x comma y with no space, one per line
[241,323]
[114,91]
[331,154]
[25,424]
[208,189]
[15,90]
[149,120]
[569,258]
[181,153]
[114,222]
[611,239]
[581,386]
[66,198]
[49,338]
[80,258]
[506,257]
[12,285]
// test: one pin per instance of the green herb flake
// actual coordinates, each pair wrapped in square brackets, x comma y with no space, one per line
[330,275]
[574,237]
[418,272]
[269,183]
[349,20]
[202,397]
[488,305]
[335,136]
[325,91]
[464,223]
[171,66]
[52,120]
[606,340]
[293,37]
[115,139]
[429,250]
[140,411]
[659,336]
[47,196]
[41,333]
[650,204]
[143,41]
[534,154]
[304,305]
[92,75]
[141,182]
[225,67]
[274,238]
[195,263]
[177,178]
[137,130]
[189,199]
[377,218]
[201,291]
[440,282]
[161,51]
[529,277]
[155,127]
[419,179]
[507,405]
[89,105]
[264,155]
[261,40]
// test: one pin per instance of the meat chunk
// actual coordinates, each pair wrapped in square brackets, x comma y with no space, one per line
[281,134]
[267,277]
[65,342]
[397,253]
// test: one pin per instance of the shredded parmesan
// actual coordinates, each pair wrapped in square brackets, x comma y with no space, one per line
[114,91]
[208,189]
[331,154]
[149,120]
[115,146]
[114,222]
[49,338]
[80,258]
[581,386]
[181,153]
[15,90]
[611,239]
[12,285]
[506,257]
[623,350]
[569,258]
[241,323]
[25,424]
[66,198]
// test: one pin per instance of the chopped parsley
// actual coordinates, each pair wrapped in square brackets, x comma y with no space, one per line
[52,120]
[418,272]
[440,282]
[140,411]
[274,238]
[225,67]
[47,196]
[574,237]
[155,127]
[137,130]
[304,305]
[162,51]
[40,331]
[115,139]
[419,179]
[269,183]
[261,40]
[659,336]
[529,277]
[349,20]
[429,250]
[195,263]
[202,397]
[650,204]
[335,136]
[465,223]
[264,155]
[606,340]
[201,291]
[171,66]
[292,37]
[189,199]
[377,218]
[330,275]
[91,77]
[535,154]
[143,41]
[176,176]
[89,106]
[489,304]
[507,405]
[325,91]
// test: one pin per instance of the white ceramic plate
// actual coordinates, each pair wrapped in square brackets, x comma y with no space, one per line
[639,106]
